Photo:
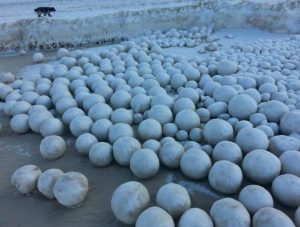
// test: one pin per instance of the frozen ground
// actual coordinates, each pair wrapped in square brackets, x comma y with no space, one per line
[91,22]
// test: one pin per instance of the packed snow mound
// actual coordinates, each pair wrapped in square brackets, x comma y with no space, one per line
[89,22]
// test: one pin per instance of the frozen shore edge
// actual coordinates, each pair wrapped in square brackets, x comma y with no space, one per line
[49,33]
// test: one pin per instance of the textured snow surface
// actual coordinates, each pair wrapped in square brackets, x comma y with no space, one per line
[90,22]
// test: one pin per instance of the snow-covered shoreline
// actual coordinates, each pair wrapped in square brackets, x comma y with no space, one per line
[78,26]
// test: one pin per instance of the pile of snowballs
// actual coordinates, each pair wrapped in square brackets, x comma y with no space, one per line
[230,116]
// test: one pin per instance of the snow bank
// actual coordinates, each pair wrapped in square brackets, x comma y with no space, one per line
[92,22]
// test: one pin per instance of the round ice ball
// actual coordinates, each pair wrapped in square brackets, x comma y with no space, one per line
[38,58]
[101,128]
[120,99]
[47,181]
[229,212]
[123,149]
[140,103]
[261,166]
[20,107]
[224,93]
[217,130]
[80,124]
[274,217]
[154,216]
[225,177]
[274,110]
[170,154]
[25,178]
[129,200]
[71,189]
[289,123]
[52,147]
[174,199]
[119,130]
[251,138]
[286,188]
[195,164]
[227,67]
[150,129]
[101,154]
[84,143]
[281,143]
[70,114]
[144,163]
[242,106]
[19,123]
[161,113]
[227,150]
[7,78]
[290,162]
[195,217]
[51,126]
[255,197]
[36,118]
[187,119]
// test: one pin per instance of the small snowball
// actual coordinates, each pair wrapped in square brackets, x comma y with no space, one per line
[119,130]
[170,154]
[187,119]
[281,143]
[47,181]
[195,217]
[154,216]
[227,150]
[153,145]
[290,162]
[84,143]
[36,118]
[274,110]
[161,113]
[7,78]
[150,129]
[51,126]
[101,154]
[227,67]
[120,99]
[38,58]
[80,124]
[52,147]
[289,123]
[242,106]
[170,129]
[19,123]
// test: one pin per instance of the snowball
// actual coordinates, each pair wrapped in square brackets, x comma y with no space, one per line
[217,108]
[225,177]
[153,145]
[178,80]
[182,104]
[20,107]
[51,126]
[100,111]
[204,115]
[174,199]
[285,188]
[224,93]
[217,130]
[289,123]
[227,67]
[101,128]
[255,197]
[36,118]
[52,147]
[195,217]
[62,52]
[195,163]
[19,123]
[281,143]
[80,124]
[150,129]
[162,99]
[123,149]
[170,129]
[46,71]
[189,93]
[290,162]
[261,166]
[122,115]
[140,103]
[47,181]
[269,216]
[154,216]
[84,143]
[161,113]
[101,154]
[129,200]
[71,189]
[7,78]
[144,163]
[229,212]
[120,99]
[25,178]
[119,130]
[227,150]
[251,138]
[70,114]
[187,119]
[38,58]
[170,154]
[274,110]
[242,106]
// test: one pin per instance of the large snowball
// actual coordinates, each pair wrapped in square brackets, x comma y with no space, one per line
[187,119]
[38,58]
[51,126]
[242,106]
[119,130]
[19,123]
[161,113]
[251,138]
[150,129]
[144,163]
[217,130]
[290,122]
[227,67]
[261,166]
[36,118]
[269,216]
[290,162]
[80,124]
[101,128]
[170,154]
[229,212]
[52,147]
[286,188]
[25,178]
[47,181]
[225,177]
[255,197]
[100,111]
[281,143]
[174,199]
[101,154]
[274,110]
[120,99]
[129,200]
[195,164]
[84,143]
[195,217]
[227,150]
[140,103]
[154,216]
[71,189]
[123,149]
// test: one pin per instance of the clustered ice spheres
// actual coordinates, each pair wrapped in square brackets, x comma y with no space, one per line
[135,104]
